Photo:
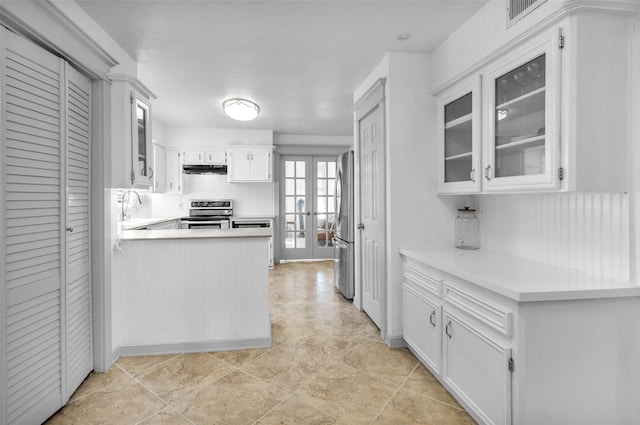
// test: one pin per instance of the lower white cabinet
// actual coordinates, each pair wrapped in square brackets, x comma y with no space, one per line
[422,320]
[477,367]
[523,343]
[444,326]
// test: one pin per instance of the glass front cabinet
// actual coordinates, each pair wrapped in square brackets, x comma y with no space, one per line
[521,103]
[498,131]
[459,139]
[141,143]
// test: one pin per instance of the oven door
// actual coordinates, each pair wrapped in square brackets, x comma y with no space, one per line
[188,223]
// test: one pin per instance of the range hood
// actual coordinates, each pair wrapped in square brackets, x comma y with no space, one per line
[204,169]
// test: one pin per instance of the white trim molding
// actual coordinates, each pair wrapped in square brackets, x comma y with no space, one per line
[42,22]
[137,84]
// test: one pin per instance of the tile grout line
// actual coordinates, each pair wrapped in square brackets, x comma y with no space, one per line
[394,393]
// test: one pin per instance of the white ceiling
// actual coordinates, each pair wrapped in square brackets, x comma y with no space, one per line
[300,60]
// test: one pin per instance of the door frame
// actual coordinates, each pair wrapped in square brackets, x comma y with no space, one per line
[374,97]
[311,178]
[308,252]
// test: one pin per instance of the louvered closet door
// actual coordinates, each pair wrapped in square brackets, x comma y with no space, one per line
[36,345]
[79,355]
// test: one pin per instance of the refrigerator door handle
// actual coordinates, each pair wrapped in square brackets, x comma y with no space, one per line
[339,244]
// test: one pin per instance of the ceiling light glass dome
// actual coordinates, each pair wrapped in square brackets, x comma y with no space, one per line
[240,109]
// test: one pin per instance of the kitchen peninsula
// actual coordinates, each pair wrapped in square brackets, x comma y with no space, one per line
[190,290]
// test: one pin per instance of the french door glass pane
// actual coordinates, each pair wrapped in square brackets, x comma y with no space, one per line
[326,182]
[295,204]
[520,120]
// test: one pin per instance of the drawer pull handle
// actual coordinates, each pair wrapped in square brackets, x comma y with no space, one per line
[446,329]
[432,317]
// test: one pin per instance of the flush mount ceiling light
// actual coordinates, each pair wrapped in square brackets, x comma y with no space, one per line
[240,109]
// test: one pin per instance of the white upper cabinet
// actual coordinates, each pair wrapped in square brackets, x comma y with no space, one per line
[217,157]
[132,134]
[459,137]
[522,123]
[173,171]
[141,144]
[250,164]
[212,157]
[193,157]
[549,114]
[159,171]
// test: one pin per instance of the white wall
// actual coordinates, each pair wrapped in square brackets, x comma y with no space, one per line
[584,231]
[311,140]
[412,204]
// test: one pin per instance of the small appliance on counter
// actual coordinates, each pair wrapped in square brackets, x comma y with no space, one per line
[467,229]
[208,214]
[343,241]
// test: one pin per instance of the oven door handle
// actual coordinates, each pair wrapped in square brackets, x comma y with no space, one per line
[202,222]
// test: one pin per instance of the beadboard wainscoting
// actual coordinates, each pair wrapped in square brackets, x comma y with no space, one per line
[185,295]
[588,232]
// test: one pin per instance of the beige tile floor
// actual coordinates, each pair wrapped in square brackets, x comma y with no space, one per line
[327,365]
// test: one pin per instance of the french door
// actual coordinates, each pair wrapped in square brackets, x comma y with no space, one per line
[307,206]
[45,298]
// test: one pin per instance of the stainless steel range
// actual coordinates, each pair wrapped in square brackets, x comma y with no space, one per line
[208,214]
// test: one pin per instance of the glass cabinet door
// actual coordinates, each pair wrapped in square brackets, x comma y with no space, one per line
[459,138]
[141,145]
[523,118]
[520,120]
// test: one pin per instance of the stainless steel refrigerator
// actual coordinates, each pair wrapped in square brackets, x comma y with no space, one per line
[343,241]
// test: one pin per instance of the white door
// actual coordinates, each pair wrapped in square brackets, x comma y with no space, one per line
[79,354]
[45,337]
[372,212]
[308,205]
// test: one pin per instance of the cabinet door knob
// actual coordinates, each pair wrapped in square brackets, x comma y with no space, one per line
[361,226]
[150,172]
[472,175]
[70,229]
[487,172]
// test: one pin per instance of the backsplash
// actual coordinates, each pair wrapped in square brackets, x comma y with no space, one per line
[249,199]
[582,231]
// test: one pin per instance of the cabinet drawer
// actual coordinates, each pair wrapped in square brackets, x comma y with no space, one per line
[414,273]
[484,311]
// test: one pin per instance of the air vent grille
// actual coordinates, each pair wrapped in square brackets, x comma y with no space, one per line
[517,9]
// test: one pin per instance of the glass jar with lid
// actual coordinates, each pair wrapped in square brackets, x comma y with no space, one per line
[467,229]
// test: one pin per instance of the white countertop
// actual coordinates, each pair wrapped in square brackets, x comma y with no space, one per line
[520,279]
[142,222]
[196,233]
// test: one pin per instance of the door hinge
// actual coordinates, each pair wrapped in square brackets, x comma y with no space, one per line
[133,177]
[560,39]
[511,365]
[560,173]
[131,98]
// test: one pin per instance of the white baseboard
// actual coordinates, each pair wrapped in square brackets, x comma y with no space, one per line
[194,347]
[394,341]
